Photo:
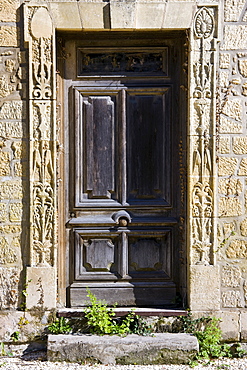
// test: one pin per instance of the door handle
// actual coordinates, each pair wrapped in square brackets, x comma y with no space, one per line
[121,218]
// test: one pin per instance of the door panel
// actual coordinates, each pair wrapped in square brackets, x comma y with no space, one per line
[124,233]
[96,147]
[147,133]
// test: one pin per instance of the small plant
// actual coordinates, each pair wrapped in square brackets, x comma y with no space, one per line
[210,342]
[60,326]
[140,327]
[101,318]
[3,352]
[25,294]
[15,336]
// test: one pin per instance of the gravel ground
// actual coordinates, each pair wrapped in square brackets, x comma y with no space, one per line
[38,362]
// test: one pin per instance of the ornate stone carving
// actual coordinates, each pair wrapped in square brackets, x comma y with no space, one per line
[202,223]
[204,23]
[42,132]
[9,280]
[43,223]
[7,254]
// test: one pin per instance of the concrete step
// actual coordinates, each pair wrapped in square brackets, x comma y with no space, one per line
[122,311]
[161,348]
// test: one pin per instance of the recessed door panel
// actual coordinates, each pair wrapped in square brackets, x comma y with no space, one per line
[96,123]
[147,150]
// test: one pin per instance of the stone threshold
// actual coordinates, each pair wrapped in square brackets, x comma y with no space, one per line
[122,311]
[161,348]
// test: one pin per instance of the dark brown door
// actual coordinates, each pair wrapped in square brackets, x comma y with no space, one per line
[124,177]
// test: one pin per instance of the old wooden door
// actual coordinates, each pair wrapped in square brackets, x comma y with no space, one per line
[124,194]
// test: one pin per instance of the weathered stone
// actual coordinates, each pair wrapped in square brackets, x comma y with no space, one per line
[230,186]
[8,36]
[18,151]
[235,37]
[243,328]
[13,110]
[243,167]
[224,145]
[242,65]
[3,212]
[94,15]
[28,324]
[229,207]
[11,190]
[224,78]
[123,14]
[244,89]
[61,15]
[204,279]
[162,348]
[231,276]
[233,109]
[11,130]
[228,228]
[240,145]
[7,254]
[41,23]
[178,14]
[228,126]
[10,229]
[227,166]
[9,280]
[228,323]
[20,169]
[243,227]
[245,291]
[150,15]
[237,249]
[225,59]
[245,17]
[233,10]
[10,65]
[8,10]
[41,290]
[232,298]
[15,212]
[4,163]
[6,88]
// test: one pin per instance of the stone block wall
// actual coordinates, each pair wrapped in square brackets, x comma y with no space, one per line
[232,156]
[13,156]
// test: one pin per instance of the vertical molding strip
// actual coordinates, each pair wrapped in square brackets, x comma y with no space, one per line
[202,138]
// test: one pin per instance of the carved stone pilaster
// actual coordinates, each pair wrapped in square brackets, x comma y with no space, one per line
[202,131]
[39,34]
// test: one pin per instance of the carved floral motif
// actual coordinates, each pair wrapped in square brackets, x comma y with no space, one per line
[43,191]
[202,163]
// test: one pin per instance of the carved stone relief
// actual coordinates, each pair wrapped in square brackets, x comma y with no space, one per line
[42,131]
[202,163]
[9,280]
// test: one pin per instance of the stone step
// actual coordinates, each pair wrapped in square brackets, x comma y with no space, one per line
[122,311]
[161,348]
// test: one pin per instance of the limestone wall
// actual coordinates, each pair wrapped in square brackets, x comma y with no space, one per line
[13,156]
[232,161]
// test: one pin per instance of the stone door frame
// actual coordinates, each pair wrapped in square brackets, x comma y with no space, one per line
[40,23]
